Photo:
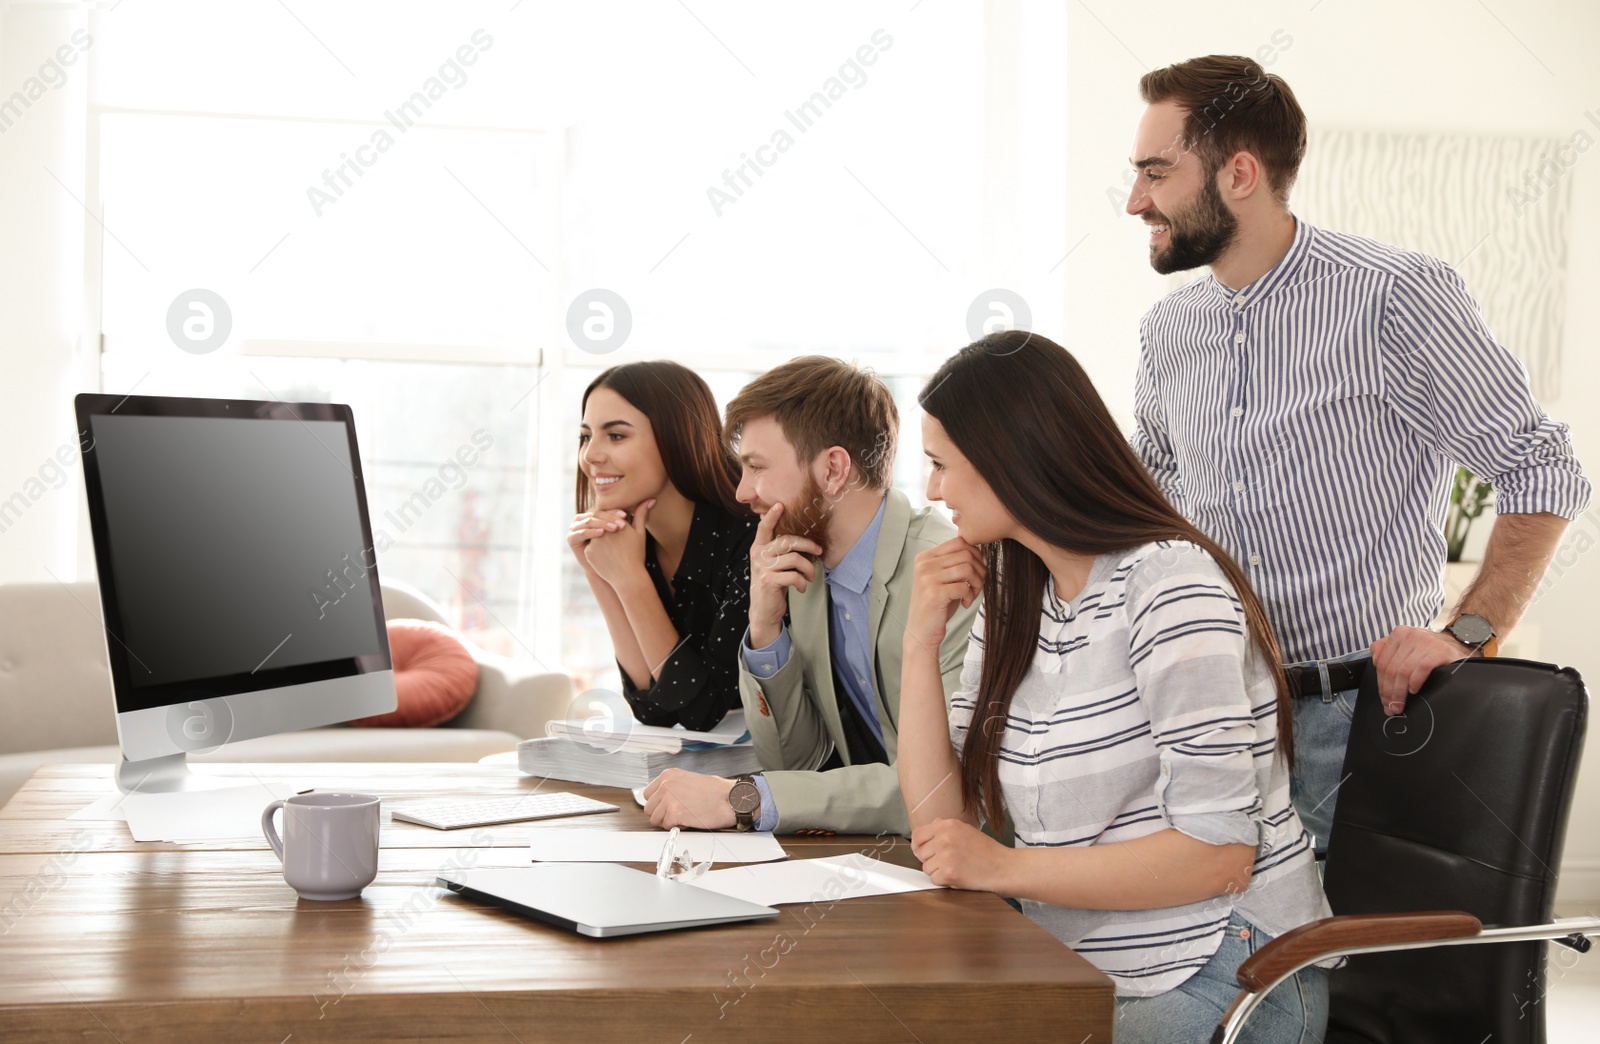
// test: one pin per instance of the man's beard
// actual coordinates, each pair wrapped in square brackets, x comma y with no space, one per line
[807,516]
[1203,232]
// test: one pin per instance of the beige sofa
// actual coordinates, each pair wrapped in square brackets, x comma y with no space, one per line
[56,704]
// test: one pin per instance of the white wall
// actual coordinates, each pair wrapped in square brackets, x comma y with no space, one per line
[1421,66]
[43,346]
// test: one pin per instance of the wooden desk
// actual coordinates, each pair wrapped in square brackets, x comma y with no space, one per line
[108,939]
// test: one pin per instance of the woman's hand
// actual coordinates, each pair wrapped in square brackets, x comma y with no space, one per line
[617,555]
[591,525]
[959,855]
[946,576]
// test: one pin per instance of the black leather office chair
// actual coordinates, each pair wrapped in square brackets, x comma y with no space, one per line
[1457,807]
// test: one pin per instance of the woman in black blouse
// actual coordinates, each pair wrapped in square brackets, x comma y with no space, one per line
[662,541]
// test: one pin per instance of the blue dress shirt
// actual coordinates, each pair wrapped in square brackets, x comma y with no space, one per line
[849,637]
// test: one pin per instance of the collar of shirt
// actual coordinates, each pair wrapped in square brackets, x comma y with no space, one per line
[1056,630]
[1278,276]
[854,571]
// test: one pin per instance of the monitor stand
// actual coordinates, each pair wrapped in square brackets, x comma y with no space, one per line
[164,775]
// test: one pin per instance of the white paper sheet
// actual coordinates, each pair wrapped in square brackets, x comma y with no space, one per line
[631,735]
[850,876]
[201,815]
[566,845]
[107,807]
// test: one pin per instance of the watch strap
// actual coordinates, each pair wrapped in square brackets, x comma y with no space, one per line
[744,821]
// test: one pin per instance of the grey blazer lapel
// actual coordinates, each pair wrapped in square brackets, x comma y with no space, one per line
[886,654]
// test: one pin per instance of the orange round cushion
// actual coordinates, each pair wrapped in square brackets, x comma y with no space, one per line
[434,676]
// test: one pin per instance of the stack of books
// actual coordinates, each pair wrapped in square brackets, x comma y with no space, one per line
[608,753]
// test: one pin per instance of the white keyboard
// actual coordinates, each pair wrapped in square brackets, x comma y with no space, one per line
[501,810]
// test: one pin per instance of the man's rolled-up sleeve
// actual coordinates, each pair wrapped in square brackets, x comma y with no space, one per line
[1468,397]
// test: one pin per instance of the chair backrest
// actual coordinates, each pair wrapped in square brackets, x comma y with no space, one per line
[1461,804]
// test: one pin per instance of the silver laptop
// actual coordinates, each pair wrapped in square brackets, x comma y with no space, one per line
[601,899]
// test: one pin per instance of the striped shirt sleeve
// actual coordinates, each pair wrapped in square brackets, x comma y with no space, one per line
[1150,439]
[1467,396]
[1187,644]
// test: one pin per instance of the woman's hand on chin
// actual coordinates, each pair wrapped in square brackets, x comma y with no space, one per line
[617,555]
[946,576]
[591,525]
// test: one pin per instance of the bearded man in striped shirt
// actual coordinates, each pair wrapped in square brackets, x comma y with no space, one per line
[1307,403]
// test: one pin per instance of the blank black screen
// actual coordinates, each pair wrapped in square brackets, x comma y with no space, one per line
[222,534]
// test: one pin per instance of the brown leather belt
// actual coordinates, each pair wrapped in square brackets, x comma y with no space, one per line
[1307,681]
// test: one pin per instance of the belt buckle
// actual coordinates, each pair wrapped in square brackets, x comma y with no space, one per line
[1350,671]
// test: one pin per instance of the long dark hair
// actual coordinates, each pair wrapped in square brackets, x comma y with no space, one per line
[1021,409]
[687,427]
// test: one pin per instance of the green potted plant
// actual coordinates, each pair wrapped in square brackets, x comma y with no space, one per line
[1469,495]
[1468,498]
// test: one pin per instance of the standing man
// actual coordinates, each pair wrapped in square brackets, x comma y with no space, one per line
[1307,404]
[830,586]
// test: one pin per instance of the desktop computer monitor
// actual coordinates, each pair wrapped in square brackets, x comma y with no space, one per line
[237,577]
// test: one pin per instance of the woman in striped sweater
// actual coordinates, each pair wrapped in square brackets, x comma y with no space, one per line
[1132,719]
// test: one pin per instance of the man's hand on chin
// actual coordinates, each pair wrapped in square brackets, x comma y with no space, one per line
[1406,657]
[677,798]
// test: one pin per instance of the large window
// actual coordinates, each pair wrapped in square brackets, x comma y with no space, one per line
[386,223]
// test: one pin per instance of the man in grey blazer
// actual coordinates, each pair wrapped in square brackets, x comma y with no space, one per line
[830,579]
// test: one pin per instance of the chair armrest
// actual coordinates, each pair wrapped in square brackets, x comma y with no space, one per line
[513,699]
[1310,942]
[1373,933]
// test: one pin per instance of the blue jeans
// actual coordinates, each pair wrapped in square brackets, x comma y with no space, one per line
[1294,1013]
[1321,732]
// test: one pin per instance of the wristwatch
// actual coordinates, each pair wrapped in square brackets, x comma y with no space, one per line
[745,797]
[1475,633]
